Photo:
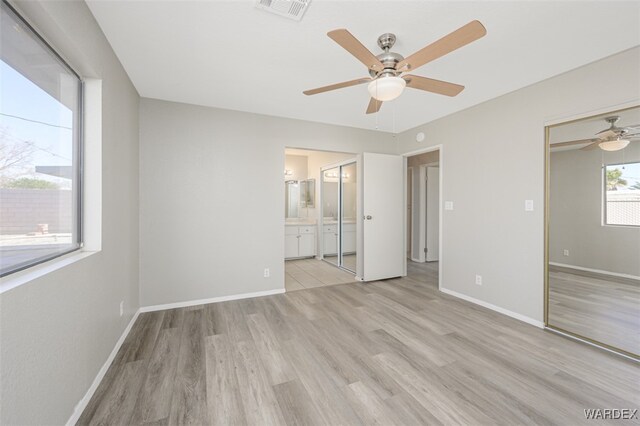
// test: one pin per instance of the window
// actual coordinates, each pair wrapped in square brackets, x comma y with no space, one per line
[40,149]
[622,194]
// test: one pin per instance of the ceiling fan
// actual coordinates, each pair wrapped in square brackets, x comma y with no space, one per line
[613,138]
[387,70]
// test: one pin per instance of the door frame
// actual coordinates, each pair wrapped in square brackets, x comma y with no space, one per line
[422,257]
[409,204]
[406,155]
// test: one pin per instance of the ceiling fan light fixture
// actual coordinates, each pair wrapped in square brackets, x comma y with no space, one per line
[386,89]
[614,145]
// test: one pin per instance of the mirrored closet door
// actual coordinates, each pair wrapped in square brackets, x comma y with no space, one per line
[593,227]
[339,203]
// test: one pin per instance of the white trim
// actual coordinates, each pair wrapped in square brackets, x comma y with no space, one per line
[597,271]
[413,259]
[498,309]
[19,278]
[82,404]
[570,336]
[211,300]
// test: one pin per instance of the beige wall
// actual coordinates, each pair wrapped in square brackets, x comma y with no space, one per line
[298,166]
[493,160]
[57,331]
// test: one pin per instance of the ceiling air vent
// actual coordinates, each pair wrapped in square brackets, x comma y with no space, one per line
[292,9]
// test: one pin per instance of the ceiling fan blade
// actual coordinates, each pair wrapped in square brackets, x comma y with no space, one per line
[337,86]
[633,127]
[374,106]
[605,134]
[447,44]
[352,45]
[432,85]
[576,142]
[591,147]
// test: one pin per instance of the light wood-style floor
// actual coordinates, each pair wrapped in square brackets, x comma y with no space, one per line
[396,352]
[603,308]
[311,273]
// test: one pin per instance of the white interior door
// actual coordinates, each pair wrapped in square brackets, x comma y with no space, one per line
[383,214]
[433,213]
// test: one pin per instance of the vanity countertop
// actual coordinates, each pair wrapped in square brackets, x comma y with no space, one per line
[301,222]
[335,222]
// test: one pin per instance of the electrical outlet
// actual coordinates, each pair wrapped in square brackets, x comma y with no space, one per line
[266,273]
[448,205]
[479,279]
[121,307]
[565,252]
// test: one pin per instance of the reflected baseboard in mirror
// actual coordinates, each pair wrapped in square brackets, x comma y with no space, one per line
[592,226]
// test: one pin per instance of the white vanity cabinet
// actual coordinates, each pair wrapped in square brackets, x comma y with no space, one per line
[299,241]
[330,240]
[349,238]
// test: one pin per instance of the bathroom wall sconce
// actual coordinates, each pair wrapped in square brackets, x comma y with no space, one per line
[288,172]
[335,175]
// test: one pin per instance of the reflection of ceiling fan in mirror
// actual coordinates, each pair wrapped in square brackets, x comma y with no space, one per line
[388,70]
[614,138]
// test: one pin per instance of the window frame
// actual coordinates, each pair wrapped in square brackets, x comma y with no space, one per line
[78,152]
[604,195]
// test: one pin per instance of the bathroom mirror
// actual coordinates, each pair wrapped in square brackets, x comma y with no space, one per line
[291,199]
[593,229]
[307,193]
[299,194]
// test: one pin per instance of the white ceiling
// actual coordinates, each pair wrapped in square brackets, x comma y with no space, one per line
[228,54]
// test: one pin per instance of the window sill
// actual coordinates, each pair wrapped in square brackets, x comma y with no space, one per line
[22,277]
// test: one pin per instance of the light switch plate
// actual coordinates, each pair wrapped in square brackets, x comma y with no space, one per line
[448,205]
[528,205]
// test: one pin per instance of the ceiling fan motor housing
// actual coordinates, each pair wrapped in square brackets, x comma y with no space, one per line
[389,59]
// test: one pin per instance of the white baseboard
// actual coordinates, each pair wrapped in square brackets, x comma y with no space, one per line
[211,300]
[487,305]
[413,259]
[77,412]
[597,271]
[82,404]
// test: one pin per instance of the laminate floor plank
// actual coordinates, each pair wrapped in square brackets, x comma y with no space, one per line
[189,397]
[296,405]
[394,352]
[224,399]
[154,401]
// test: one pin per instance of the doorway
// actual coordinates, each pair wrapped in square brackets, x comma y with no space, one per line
[423,206]
[304,238]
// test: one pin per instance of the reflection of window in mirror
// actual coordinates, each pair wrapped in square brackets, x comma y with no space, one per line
[593,224]
[622,194]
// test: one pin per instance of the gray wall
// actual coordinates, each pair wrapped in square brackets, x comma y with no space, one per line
[222,171]
[22,210]
[492,161]
[57,331]
[575,214]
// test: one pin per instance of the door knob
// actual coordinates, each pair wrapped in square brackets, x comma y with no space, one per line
[368,217]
